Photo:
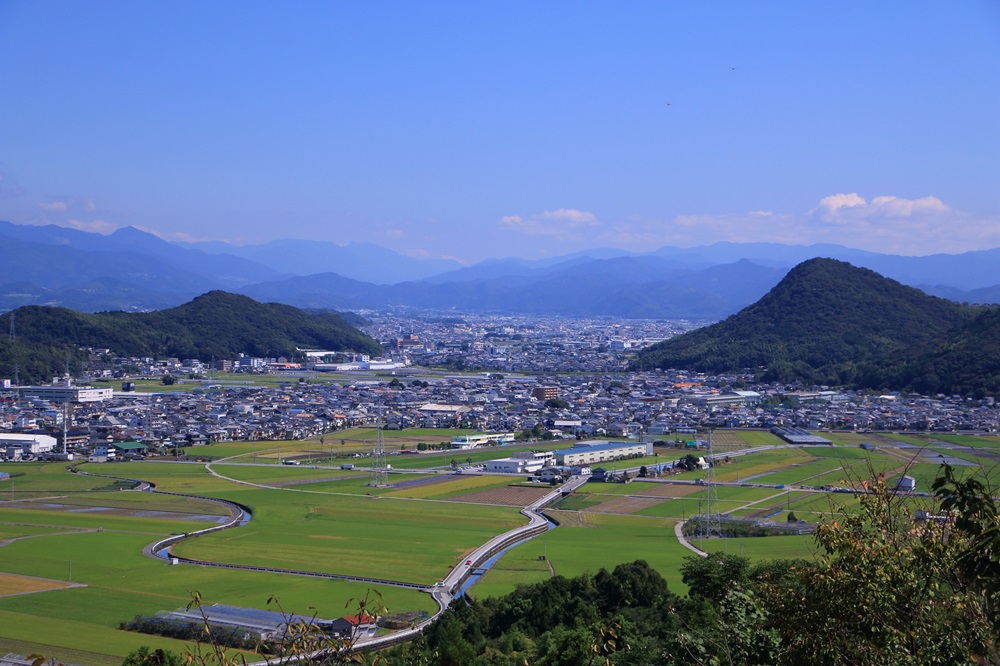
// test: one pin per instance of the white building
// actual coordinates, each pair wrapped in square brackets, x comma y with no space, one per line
[29,444]
[522,462]
[595,452]
[475,440]
[65,392]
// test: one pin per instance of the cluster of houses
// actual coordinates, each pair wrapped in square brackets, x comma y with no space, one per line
[660,405]
[600,401]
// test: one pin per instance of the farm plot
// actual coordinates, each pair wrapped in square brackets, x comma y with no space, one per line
[396,539]
[451,486]
[38,479]
[83,621]
[810,472]
[588,542]
[512,570]
[175,477]
[507,495]
[762,549]
[643,488]
[624,505]
[9,532]
[12,585]
[755,465]
[285,474]
[971,441]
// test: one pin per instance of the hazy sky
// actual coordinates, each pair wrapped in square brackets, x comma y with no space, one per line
[488,129]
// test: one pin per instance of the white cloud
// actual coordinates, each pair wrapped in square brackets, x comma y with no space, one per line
[562,223]
[180,236]
[840,208]
[901,226]
[54,206]
[889,224]
[92,226]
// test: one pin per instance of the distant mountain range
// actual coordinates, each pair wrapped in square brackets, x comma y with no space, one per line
[828,322]
[215,325]
[134,270]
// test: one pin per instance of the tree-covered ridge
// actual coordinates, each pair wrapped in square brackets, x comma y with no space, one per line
[967,362]
[216,324]
[826,322]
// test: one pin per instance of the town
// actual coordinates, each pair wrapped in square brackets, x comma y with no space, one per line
[542,379]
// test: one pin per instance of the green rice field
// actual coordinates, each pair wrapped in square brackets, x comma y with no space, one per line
[314,516]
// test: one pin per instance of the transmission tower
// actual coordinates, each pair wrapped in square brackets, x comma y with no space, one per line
[13,331]
[380,478]
[710,522]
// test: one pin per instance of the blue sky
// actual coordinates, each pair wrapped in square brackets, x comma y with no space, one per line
[486,129]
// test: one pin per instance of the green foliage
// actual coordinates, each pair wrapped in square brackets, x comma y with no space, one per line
[881,594]
[590,619]
[828,322]
[144,656]
[216,324]
[885,590]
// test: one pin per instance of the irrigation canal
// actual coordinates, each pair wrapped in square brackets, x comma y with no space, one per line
[455,584]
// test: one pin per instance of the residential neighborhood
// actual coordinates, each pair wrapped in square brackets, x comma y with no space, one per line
[543,380]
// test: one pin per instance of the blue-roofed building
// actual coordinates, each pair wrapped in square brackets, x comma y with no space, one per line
[595,452]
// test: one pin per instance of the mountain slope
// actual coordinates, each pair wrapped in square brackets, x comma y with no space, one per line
[359,261]
[826,322]
[216,324]
[625,287]
[967,362]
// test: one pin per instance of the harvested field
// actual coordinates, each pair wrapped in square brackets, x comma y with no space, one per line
[506,496]
[422,481]
[665,489]
[13,584]
[570,518]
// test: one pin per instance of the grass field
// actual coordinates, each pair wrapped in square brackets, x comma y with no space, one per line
[588,542]
[81,623]
[327,519]
[762,548]
[410,540]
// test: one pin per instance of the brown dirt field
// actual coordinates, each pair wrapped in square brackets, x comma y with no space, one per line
[570,518]
[625,505]
[13,584]
[728,439]
[665,489]
[506,496]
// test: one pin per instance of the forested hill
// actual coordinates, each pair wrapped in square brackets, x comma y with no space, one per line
[967,362]
[216,324]
[826,322]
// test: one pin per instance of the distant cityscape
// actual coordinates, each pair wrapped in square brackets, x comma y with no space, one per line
[554,378]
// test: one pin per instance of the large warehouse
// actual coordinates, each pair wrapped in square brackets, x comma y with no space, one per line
[601,451]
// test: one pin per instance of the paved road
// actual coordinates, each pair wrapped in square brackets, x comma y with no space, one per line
[442,592]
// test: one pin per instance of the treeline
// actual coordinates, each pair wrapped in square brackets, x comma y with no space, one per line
[216,325]
[884,590]
[830,323]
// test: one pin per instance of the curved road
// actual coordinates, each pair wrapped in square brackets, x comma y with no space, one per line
[442,592]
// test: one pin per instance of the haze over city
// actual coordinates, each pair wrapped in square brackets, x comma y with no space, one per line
[471,131]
